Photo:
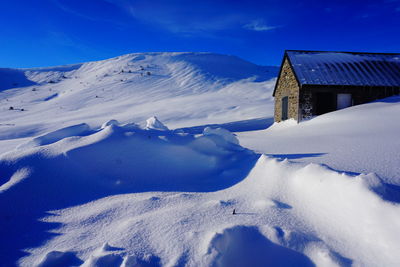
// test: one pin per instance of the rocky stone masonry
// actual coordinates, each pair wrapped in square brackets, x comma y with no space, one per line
[287,86]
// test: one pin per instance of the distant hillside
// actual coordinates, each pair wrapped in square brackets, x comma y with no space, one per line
[182,89]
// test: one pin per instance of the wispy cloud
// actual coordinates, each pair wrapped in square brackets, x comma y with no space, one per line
[204,18]
[178,17]
[259,26]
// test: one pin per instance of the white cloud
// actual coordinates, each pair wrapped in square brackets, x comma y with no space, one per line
[259,26]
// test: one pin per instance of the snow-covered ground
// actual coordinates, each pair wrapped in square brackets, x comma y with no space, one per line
[86,180]
[362,138]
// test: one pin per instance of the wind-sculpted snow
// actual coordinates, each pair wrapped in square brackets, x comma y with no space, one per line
[341,208]
[121,195]
[52,137]
[359,139]
[246,246]
[76,165]
[154,124]
[86,180]
[182,89]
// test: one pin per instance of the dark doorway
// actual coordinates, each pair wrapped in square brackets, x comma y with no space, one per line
[285,107]
[325,102]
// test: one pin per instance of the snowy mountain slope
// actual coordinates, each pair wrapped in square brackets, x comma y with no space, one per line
[182,89]
[360,139]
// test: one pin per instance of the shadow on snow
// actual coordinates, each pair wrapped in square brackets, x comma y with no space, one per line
[147,160]
[296,156]
[237,126]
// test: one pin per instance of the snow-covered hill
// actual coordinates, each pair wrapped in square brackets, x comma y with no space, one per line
[86,180]
[182,89]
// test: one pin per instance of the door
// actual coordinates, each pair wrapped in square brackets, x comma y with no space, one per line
[325,102]
[285,108]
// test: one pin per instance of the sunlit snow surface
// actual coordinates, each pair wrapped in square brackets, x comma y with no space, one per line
[362,138]
[86,180]
[181,89]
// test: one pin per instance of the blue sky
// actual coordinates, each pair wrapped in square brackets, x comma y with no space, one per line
[54,32]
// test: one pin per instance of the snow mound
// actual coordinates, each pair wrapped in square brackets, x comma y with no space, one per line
[52,137]
[154,124]
[146,261]
[338,206]
[108,123]
[105,256]
[283,125]
[60,259]
[246,246]
[108,256]
[226,135]
[123,159]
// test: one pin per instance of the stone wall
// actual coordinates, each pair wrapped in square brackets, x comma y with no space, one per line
[287,86]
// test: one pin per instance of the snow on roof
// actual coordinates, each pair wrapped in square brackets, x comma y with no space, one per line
[345,68]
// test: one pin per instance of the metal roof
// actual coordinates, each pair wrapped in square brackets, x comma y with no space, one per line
[345,68]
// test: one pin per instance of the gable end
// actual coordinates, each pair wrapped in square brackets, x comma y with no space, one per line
[285,57]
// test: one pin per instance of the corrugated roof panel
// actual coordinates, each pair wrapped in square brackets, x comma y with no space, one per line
[346,68]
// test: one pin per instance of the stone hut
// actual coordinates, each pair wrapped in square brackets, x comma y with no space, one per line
[312,83]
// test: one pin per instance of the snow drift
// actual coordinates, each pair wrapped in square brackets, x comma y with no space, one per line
[165,198]
[360,139]
[75,165]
